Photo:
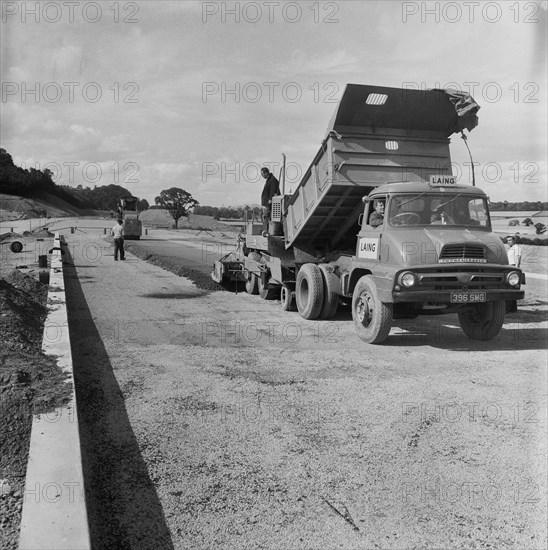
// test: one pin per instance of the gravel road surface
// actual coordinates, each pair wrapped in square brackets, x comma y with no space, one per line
[215,420]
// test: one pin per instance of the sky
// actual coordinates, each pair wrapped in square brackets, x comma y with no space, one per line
[158,94]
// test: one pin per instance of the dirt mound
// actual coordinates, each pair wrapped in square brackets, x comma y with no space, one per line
[40,232]
[22,302]
[10,235]
[30,383]
[15,207]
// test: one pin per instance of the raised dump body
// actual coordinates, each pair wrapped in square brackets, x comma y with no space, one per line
[377,135]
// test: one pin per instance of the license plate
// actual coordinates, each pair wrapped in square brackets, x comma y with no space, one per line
[468,297]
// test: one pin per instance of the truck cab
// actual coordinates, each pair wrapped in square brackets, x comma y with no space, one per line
[434,252]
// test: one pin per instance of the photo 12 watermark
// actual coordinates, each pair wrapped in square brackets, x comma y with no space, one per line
[326,12]
[269,92]
[431,330]
[489,92]
[70,92]
[472,492]
[70,12]
[248,172]
[454,412]
[465,173]
[470,12]
[271,332]
[53,492]
[93,173]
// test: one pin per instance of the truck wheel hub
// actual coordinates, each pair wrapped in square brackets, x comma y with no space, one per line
[364,309]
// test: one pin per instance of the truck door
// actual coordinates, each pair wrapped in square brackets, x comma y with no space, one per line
[369,238]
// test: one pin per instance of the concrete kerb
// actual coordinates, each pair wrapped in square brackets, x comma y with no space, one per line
[54,506]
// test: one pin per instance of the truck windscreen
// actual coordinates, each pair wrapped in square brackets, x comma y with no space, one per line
[439,209]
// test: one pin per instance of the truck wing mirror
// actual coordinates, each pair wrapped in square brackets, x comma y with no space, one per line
[360,219]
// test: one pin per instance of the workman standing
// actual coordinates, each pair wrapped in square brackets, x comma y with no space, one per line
[118,232]
[514,258]
[515,251]
[271,189]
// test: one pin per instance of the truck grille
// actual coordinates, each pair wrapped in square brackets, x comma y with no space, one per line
[462,252]
[451,279]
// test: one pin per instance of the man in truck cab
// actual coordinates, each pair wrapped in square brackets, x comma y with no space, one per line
[377,217]
[440,217]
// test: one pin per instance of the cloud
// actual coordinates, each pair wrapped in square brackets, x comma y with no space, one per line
[326,63]
[169,169]
[117,145]
[169,52]
[83,131]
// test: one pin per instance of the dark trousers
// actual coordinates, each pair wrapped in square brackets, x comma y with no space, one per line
[267,211]
[119,247]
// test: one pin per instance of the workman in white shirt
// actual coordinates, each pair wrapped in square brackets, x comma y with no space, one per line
[515,251]
[514,258]
[118,232]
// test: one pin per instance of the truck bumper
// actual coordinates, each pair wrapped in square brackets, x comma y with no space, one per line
[444,296]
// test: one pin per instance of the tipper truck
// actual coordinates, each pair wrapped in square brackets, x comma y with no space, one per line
[431,249]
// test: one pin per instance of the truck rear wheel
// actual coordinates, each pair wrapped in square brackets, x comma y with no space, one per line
[330,297]
[309,291]
[287,298]
[485,322]
[265,291]
[372,318]
[252,282]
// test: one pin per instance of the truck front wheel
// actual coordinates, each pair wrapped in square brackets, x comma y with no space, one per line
[309,291]
[484,321]
[372,318]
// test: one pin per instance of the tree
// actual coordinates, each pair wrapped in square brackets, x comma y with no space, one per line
[142,204]
[527,222]
[177,202]
[540,228]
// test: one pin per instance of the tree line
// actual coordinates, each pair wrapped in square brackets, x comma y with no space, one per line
[518,206]
[105,197]
[229,212]
[32,183]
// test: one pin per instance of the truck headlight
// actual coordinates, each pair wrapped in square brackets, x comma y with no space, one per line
[408,279]
[513,278]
